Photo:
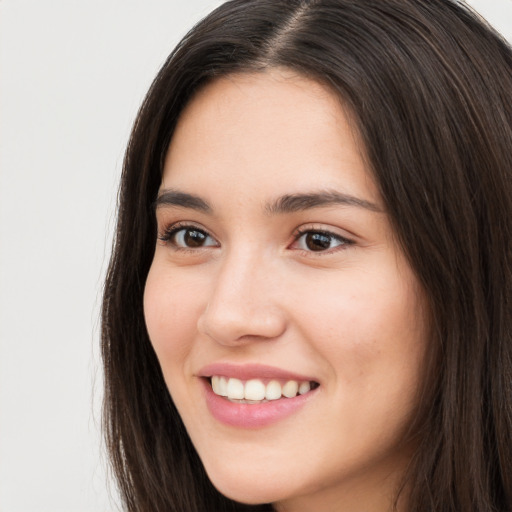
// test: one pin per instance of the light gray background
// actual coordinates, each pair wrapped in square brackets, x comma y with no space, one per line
[72,75]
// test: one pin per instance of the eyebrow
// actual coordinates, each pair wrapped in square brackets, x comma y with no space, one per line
[170,197]
[288,203]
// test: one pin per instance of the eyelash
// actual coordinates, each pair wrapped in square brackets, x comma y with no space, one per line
[343,242]
[170,232]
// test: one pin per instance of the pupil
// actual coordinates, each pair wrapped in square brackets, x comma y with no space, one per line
[194,238]
[317,241]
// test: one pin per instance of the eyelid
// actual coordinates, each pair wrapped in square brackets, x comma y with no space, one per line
[167,233]
[303,230]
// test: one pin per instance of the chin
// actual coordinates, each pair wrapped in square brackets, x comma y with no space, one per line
[247,489]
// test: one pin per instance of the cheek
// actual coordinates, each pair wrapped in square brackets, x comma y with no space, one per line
[371,332]
[172,307]
[171,312]
[367,324]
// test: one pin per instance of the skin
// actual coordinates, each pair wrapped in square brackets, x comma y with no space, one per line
[351,315]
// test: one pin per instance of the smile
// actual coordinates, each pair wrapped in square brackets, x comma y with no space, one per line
[258,391]
[253,396]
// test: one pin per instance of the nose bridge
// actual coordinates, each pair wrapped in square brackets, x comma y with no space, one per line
[242,303]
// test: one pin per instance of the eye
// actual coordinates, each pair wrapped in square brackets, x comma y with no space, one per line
[188,237]
[319,241]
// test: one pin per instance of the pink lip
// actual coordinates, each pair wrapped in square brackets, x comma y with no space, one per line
[251,416]
[251,371]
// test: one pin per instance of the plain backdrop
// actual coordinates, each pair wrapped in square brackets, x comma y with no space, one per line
[72,76]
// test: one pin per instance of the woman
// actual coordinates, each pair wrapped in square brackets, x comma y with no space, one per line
[308,303]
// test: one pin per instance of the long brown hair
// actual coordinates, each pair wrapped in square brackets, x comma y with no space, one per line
[429,84]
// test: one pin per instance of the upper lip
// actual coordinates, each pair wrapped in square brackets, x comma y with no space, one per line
[251,371]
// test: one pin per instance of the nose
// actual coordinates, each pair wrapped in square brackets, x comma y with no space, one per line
[243,303]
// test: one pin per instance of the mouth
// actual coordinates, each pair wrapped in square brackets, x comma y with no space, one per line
[253,396]
[258,390]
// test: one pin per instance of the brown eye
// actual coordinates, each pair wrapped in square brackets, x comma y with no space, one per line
[191,238]
[194,238]
[319,241]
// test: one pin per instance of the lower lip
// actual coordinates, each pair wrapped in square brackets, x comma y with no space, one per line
[252,415]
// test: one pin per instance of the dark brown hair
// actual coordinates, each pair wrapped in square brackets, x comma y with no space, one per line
[429,84]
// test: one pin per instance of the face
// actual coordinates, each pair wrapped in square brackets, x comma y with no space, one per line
[289,327]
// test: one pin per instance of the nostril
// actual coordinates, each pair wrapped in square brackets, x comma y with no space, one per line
[237,324]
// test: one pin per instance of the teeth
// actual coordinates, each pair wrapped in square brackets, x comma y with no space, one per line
[235,390]
[220,385]
[255,391]
[215,384]
[290,389]
[273,391]
[223,386]
[304,387]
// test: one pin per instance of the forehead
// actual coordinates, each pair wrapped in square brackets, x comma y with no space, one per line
[274,127]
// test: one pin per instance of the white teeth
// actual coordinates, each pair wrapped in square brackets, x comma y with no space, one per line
[273,390]
[223,386]
[220,385]
[255,391]
[235,390]
[290,389]
[215,384]
[304,387]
